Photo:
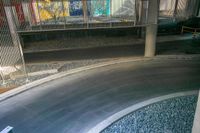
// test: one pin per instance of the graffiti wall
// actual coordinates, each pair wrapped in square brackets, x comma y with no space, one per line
[100,7]
[76,8]
[38,14]
[53,10]
[50,10]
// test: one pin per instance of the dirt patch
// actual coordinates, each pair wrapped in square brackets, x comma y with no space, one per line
[2,90]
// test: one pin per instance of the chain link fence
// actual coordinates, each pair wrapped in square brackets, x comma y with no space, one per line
[18,16]
[178,9]
[12,64]
[40,15]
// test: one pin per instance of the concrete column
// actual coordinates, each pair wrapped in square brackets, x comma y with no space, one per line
[196,125]
[150,42]
[198,8]
[151,28]
[85,15]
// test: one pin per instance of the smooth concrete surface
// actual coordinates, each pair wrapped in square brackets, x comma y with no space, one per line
[196,125]
[153,11]
[82,54]
[78,102]
[151,29]
[31,85]
[150,41]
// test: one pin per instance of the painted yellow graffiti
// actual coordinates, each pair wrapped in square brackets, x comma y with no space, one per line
[51,10]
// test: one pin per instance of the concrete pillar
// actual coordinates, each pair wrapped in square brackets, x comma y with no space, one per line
[150,41]
[85,15]
[196,125]
[198,8]
[151,28]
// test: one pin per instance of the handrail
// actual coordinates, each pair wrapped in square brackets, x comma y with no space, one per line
[190,29]
[194,31]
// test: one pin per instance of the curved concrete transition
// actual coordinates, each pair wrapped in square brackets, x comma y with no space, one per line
[78,102]
[140,116]
[173,115]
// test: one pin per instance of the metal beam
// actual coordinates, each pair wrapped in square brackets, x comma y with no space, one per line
[85,15]
[175,9]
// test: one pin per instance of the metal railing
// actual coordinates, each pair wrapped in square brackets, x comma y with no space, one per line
[195,31]
[40,15]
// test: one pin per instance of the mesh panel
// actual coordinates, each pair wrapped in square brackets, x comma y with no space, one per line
[178,9]
[167,8]
[34,15]
[12,62]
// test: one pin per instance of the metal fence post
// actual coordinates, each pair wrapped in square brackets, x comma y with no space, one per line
[37,3]
[16,37]
[2,77]
[63,8]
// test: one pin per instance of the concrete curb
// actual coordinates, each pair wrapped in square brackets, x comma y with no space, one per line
[196,127]
[102,125]
[181,57]
[29,86]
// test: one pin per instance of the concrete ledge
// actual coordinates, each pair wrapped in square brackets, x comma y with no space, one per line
[102,125]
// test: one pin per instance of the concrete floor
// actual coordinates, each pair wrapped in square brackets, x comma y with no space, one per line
[83,54]
[76,103]
[178,47]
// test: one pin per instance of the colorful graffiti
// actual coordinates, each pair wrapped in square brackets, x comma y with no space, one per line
[51,10]
[54,10]
[57,11]
[100,7]
[76,8]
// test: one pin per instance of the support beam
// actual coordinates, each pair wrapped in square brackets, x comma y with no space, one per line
[175,9]
[150,42]
[196,125]
[85,15]
[198,8]
[151,28]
